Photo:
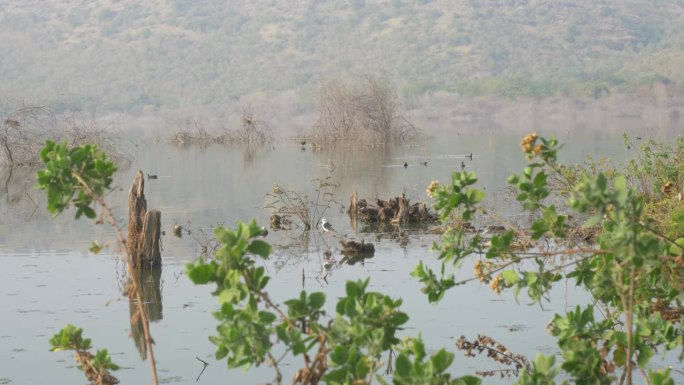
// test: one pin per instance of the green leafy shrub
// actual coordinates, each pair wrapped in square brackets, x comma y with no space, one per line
[345,348]
[633,272]
[75,176]
[97,366]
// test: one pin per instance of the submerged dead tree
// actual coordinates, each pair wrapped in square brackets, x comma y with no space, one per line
[24,131]
[252,132]
[369,113]
[144,227]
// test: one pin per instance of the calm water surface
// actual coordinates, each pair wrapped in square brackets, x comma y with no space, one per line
[49,279]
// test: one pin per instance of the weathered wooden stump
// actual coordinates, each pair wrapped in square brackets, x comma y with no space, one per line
[144,227]
[403,212]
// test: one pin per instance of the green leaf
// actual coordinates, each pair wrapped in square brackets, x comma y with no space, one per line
[267,317]
[510,276]
[601,182]
[89,212]
[467,380]
[201,274]
[316,300]
[259,247]
[221,352]
[660,377]
[644,356]
[103,360]
[475,196]
[352,289]
[539,180]
[677,248]
[403,365]
[620,182]
[442,360]
[619,356]
[544,364]
[337,376]
[298,347]
[281,332]
[339,355]
[399,319]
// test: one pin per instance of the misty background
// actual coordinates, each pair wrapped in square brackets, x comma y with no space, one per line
[145,58]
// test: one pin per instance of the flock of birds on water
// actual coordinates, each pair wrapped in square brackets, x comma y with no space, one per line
[425,163]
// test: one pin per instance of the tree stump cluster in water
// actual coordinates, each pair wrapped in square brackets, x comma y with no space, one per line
[397,209]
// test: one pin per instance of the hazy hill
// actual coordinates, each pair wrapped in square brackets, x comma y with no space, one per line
[130,55]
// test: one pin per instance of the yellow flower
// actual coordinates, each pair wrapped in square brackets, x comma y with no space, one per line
[528,141]
[495,285]
[482,270]
[431,188]
[537,150]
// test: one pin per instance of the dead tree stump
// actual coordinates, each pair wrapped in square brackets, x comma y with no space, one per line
[403,213]
[353,200]
[394,210]
[144,227]
[353,210]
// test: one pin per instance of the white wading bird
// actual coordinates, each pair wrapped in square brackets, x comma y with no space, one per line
[327,226]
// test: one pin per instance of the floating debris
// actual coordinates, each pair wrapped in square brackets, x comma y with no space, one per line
[178,230]
[280,222]
[357,248]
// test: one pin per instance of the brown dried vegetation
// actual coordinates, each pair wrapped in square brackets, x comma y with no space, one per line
[23,133]
[495,351]
[252,131]
[368,114]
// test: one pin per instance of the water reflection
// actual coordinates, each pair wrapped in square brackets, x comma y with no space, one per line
[251,154]
[364,166]
[148,279]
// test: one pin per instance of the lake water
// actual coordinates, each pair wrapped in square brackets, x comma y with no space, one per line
[48,278]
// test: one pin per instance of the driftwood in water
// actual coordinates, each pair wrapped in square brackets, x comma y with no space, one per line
[397,209]
[357,248]
[144,227]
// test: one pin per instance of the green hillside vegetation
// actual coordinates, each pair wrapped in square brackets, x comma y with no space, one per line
[126,55]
